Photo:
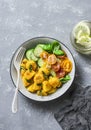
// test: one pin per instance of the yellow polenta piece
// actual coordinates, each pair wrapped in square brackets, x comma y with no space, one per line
[38,78]
[46,86]
[54,82]
[32,64]
[28,75]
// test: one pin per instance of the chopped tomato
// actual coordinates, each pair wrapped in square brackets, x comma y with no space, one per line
[61,73]
[56,67]
[61,57]
[52,59]
[44,55]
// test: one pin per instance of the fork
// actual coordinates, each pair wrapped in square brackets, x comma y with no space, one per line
[17,61]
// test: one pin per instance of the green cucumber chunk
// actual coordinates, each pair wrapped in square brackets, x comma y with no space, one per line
[53,73]
[40,62]
[38,50]
[33,57]
[30,55]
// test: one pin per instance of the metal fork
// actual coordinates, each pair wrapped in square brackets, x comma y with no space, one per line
[17,61]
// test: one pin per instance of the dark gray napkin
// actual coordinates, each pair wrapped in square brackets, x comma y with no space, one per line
[75,113]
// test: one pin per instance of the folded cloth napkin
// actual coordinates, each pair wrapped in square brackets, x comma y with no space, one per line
[75,113]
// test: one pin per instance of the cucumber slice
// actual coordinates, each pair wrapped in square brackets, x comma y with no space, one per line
[40,62]
[53,73]
[38,50]
[30,55]
[33,57]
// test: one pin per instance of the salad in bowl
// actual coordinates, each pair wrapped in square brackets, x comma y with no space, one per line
[45,68]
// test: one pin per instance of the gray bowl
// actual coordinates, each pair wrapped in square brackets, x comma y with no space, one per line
[30,44]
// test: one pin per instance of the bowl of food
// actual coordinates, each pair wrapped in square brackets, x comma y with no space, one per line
[81,37]
[47,69]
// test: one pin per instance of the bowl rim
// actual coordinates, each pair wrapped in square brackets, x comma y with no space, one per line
[24,44]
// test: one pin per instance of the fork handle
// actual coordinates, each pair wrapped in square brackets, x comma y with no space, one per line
[15,101]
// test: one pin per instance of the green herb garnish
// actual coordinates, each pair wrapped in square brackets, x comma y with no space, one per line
[22,68]
[45,76]
[65,79]
[29,80]
[30,68]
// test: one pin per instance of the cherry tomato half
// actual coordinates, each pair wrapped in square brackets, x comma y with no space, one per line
[56,67]
[61,73]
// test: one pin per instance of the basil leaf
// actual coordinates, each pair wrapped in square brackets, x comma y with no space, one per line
[56,45]
[48,47]
[58,52]
[65,79]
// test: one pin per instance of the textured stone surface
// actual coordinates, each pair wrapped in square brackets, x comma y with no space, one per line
[21,20]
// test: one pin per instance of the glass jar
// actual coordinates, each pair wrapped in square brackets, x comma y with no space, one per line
[78,47]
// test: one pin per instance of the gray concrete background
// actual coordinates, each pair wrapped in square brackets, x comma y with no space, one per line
[21,20]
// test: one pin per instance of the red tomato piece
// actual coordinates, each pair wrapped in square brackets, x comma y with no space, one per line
[61,57]
[52,59]
[61,73]
[56,67]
